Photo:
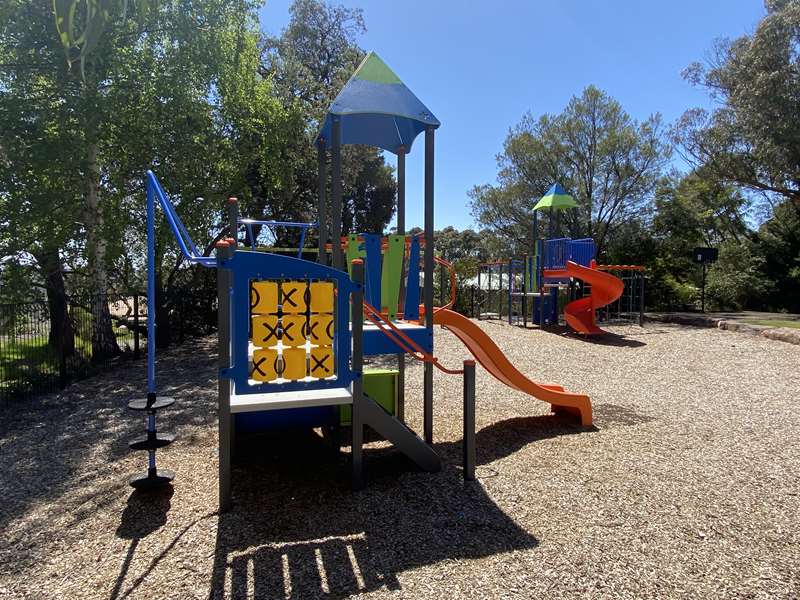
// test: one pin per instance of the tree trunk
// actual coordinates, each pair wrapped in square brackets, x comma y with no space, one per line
[104,342]
[62,335]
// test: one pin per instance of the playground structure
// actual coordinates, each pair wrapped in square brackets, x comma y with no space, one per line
[293,333]
[529,287]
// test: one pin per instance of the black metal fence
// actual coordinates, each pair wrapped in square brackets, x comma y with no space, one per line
[40,354]
[493,303]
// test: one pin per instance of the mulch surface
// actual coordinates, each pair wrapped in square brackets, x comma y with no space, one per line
[687,486]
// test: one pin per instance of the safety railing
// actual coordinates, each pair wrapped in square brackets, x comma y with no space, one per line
[581,251]
[250,223]
[556,253]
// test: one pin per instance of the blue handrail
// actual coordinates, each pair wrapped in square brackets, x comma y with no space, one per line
[185,242]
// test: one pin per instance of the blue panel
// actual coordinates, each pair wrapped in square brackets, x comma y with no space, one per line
[372,268]
[246,266]
[376,342]
[581,251]
[555,253]
[287,418]
[411,305]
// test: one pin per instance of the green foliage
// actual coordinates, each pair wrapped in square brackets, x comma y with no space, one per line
[753,139]
[82,23]
[735,281]
[779,243]
[308,64]
[608,162]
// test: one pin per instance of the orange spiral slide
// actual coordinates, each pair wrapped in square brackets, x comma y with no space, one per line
[606,288]
[493,360]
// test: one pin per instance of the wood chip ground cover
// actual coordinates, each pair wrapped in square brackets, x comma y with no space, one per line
[689,486]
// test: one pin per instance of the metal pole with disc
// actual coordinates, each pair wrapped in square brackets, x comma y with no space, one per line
[152,441]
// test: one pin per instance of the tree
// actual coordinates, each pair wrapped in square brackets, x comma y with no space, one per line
[177,89]
[778,241]
[608,161]
[690,211]
[753,138]
[736,281]
[309,63]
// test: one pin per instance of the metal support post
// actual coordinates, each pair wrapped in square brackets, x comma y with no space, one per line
[400,409]
[336,193]
[224,286]
[469,420]
[322,207]
[357,360]
[428,291]
[233,220]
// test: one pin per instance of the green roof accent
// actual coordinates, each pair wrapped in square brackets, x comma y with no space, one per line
[372,68]
[556,198]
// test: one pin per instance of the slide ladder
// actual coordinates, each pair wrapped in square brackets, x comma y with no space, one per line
[400,435]
[580,313]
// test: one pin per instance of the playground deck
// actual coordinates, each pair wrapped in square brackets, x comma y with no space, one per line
[689,486]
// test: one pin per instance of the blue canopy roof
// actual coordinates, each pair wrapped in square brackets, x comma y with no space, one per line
[377,109]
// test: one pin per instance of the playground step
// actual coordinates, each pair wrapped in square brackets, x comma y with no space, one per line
[154,478]
[241,403]
[152,442]
[403,438]
[146,404]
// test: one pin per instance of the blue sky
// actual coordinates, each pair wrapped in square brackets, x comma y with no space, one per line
[479,66]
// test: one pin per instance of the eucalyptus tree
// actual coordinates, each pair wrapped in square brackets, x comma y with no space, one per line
[753,137]
[607,161]
[309,62]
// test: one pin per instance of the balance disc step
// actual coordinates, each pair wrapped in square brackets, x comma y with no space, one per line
[152,480]
[153,442]
[146,404]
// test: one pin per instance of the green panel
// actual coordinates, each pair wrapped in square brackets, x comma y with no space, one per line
[392,273]
[352,252]
[530,273]
[381,386]
[374,69]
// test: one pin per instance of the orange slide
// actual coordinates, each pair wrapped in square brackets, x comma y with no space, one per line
[493,360]
[605,289]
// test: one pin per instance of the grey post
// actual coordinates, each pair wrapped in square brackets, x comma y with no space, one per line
[233,219]
[428,290]
[336,193]
[322,208]
[357,360]
[469,420]
[641,298]
[400,409]
[224,385]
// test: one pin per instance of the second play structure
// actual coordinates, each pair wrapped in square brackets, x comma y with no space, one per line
[293,333]
[531,285]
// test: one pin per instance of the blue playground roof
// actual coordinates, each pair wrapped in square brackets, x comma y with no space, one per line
[377,109]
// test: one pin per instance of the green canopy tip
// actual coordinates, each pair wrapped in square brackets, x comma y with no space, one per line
[372,68]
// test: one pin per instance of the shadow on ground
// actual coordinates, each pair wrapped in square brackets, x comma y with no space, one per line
[296,530]
[59,441]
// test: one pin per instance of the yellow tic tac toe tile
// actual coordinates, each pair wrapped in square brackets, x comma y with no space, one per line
[320,329]
[294,363]
[293,296]
[263,297]
[265,365]
[293,329]
[265,330]
[322,297]
[322,362]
